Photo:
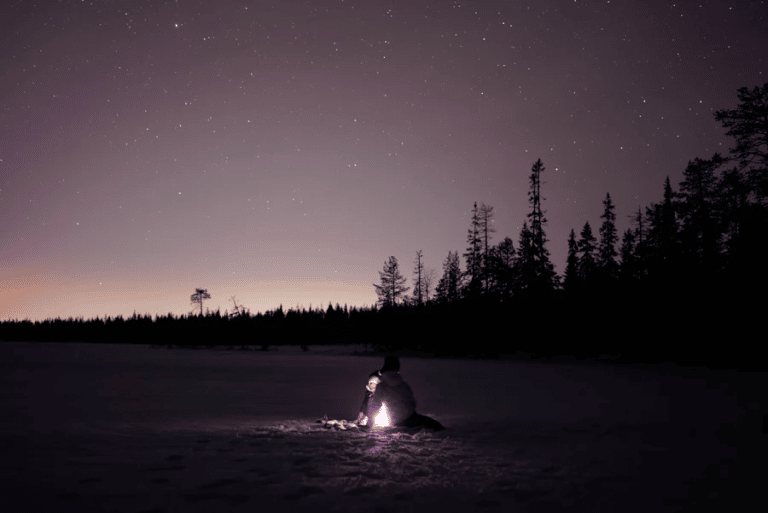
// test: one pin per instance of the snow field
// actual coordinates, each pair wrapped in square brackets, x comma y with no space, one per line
[132,428]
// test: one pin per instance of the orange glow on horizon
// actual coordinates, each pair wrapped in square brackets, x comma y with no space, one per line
[45,294]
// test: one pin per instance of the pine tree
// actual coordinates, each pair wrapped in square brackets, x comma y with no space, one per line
[640,245]
[609,269]
[501,268]
[744,188]
[524,270]
[197,298]
[536,215]
[700,235]
[733,207]
[392,283]
[449,287]
[669,227]
[571,275]
[543,272]
[748,124]
[587,248]
[628,272]
[663,238]
[473,256]
[419,282]
[506,252]
[486,229]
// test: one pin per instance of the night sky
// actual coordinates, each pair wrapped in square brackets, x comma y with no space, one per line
[280,152]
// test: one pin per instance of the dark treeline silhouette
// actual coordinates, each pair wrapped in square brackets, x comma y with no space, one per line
[684,283]
[300,326]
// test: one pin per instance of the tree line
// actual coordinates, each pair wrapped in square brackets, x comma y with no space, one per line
[707,236]
[683,283]
[240,328]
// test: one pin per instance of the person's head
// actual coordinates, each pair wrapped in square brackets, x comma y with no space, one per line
[391,363]
[373,380]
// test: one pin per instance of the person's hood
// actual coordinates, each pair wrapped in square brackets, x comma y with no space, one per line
[391,378]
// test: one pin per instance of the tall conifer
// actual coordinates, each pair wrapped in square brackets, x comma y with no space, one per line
[700,231]
[542,271]
[418,284]
[748,124]
[449,287]
[502,259]
[392,285]
[486,229]
[571,275]
[473,256]
[628,272]
[608,238]
[587,248]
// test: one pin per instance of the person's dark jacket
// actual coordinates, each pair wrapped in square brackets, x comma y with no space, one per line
[398,396]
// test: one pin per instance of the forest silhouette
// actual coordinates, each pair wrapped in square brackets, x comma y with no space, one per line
[684,284]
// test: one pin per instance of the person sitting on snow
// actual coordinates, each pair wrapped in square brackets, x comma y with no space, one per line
[373,379]
[387,387]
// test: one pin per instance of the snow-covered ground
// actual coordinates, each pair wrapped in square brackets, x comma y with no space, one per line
[86,427]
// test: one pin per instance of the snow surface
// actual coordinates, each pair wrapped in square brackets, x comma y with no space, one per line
[89,427]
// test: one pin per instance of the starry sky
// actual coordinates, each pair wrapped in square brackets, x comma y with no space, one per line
[280,152]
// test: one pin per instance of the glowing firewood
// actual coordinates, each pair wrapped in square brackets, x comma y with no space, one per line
[382,418]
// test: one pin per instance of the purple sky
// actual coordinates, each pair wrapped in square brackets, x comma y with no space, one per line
[282,151]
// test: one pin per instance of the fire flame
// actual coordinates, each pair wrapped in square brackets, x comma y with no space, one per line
[382,418]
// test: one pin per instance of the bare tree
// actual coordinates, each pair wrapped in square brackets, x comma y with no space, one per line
[199,296]
[240,310]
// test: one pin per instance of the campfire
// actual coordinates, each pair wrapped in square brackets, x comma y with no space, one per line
[382,418]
